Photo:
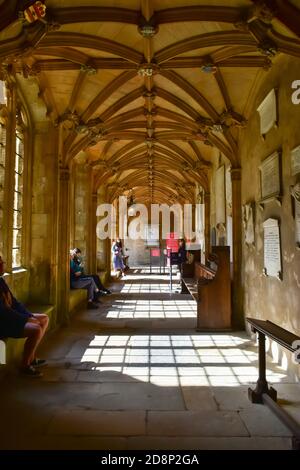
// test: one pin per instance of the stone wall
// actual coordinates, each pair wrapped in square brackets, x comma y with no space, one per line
[267,297]
[81,188]
[44,189]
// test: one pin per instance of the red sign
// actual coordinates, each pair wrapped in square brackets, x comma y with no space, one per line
[172,243]
[155,252]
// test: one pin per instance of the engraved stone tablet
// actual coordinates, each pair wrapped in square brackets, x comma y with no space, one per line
[220,195]
[270,176]
[295,192]
[268,112]
[295,160]
[297,222]
[248,222]
[272,255]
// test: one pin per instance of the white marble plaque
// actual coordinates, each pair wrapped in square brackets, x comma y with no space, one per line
[220,195]
[297,222]
[268,112]
[270,176]
[151,235]
[295,192]
[228,191]
[295,160]
[248,222]
[272,254]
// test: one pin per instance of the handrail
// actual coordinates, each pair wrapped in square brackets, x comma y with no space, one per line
[284,337]
[262,393]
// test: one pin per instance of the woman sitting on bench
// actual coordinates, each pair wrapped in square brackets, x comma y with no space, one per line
[17,322]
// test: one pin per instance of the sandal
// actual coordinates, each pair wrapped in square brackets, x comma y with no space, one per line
[31,371]
[38,362]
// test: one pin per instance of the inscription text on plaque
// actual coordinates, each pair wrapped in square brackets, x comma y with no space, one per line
[272,253]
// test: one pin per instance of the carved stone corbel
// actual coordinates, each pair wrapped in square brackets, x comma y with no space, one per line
[267,48]
[230,118]
[262,11]
[69,120]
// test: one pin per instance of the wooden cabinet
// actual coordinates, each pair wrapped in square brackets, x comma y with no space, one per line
[214,292]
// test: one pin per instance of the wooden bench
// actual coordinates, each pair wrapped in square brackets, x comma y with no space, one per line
[210,287]
[14,346]
[263,393]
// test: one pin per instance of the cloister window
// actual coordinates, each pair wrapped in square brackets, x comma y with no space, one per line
[2,156]
[2,173]
[18,199]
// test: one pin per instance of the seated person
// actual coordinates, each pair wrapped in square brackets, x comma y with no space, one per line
[78,281]
[77,258]
[17,322]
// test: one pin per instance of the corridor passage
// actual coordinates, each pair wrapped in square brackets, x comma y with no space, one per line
[135,374]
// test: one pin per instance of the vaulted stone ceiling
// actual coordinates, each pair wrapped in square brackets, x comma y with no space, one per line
[149,89]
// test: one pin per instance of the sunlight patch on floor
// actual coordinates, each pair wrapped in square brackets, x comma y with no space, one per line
[173,360]
[152,309]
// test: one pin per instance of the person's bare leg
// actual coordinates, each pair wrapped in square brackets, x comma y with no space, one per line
[34,334]
[43,320]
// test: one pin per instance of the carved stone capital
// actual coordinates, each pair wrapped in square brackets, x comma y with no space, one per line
[236,174]
[262,10]
[64,174]
[69,120]
[267,48]
[230,118]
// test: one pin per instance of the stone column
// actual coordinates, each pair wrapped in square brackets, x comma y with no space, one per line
[237,247]
[101,245]
[72,184]
[207,223]
[92,240]
[63,246]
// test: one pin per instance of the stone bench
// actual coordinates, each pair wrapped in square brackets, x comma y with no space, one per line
[78,297]
[14,346]
[77,300]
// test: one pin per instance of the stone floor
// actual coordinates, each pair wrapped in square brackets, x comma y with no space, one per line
[135,374]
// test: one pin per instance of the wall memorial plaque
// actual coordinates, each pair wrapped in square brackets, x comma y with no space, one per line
[268,112]
[248,223]
[295,160]
[272,253]
[270,177]
[297,223]
[220,195]
[295,192]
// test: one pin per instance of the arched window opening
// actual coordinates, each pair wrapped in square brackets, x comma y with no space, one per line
[2,158]
[18,193]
